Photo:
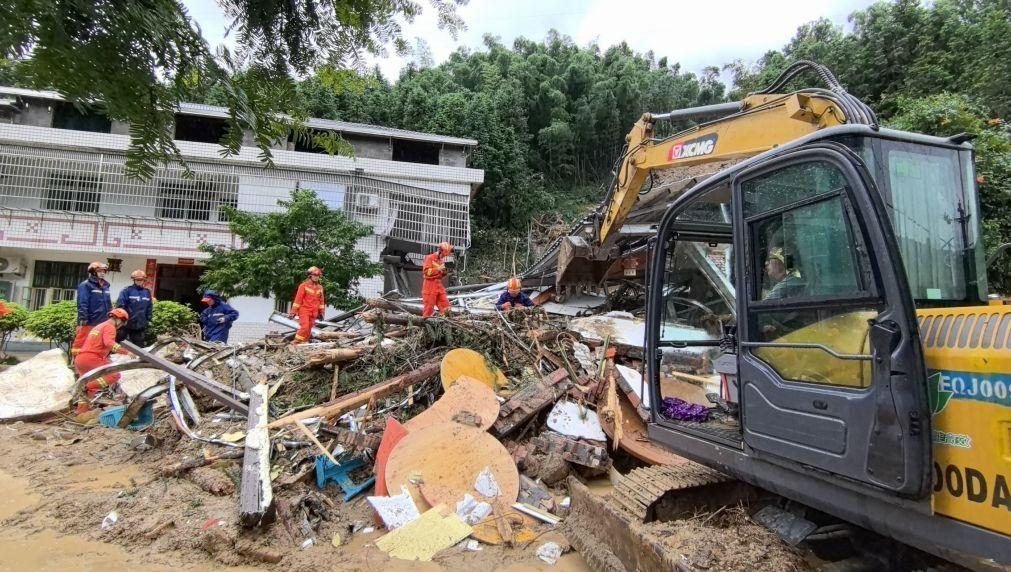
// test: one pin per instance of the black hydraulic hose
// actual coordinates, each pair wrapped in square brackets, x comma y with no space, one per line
[855,111]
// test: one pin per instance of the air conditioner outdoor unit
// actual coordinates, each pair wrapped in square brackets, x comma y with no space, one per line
[12,265]
[367,201]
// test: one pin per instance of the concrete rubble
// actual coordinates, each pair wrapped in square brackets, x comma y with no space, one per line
[356,411]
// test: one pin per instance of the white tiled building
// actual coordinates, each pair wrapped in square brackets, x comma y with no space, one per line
[65,200]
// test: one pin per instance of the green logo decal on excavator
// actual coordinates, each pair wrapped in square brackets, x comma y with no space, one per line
[939,396]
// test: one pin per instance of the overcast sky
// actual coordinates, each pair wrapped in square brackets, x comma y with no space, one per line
[696,33]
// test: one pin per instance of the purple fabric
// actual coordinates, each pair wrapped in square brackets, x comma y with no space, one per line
[680,409]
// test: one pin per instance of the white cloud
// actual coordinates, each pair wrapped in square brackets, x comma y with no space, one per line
[694,33]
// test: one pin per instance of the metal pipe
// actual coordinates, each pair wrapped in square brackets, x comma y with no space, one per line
[717,109]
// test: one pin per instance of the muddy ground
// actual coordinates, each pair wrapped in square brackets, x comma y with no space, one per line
[58,481]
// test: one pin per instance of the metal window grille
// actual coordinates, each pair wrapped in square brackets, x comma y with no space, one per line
[58,180]
[75,192]
[35,298]
[53,274]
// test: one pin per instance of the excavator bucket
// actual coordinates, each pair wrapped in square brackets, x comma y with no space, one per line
[578,268]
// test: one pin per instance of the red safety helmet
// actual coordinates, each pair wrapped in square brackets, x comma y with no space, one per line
[514,285]
[94,267]
[445,248]
[119,313]
[314,271]
[138,275]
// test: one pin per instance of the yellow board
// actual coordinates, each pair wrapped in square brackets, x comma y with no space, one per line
[969,384]
[463,361]
[426,536]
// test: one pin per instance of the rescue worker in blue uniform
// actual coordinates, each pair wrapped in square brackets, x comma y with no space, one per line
[216,320]
[93,304]
[136,299]
[513,297]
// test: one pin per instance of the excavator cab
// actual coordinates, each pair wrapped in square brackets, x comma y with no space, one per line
[817,255]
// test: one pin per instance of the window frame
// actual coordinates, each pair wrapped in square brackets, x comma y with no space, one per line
[751,273]
[73,190]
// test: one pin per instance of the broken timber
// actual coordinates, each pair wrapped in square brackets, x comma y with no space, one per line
[352,440]
[256,499]
[338,355]
[531,400]
[138,403]
[575,451]
[220,393]
[351,401]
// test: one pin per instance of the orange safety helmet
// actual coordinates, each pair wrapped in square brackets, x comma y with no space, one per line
[119,313]
[314,271]
[94,267]
[514,285]
[138,275]
[445,248]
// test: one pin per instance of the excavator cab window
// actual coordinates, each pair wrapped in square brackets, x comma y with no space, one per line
[811,283]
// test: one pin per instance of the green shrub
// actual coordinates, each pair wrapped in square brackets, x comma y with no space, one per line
[10,323]
[170,318]
[56,323]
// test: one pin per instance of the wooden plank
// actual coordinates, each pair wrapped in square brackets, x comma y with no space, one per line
[353,440]
[191,379]
[351,401]
[256,499]
[573,450]
[530,400]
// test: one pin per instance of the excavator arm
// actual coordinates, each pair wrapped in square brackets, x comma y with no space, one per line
[763,122]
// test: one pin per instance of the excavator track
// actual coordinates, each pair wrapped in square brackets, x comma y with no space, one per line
[610,532]
[641,489]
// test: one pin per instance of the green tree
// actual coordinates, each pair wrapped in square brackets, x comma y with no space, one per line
[140,59]
[55,322]
[169,317]
[279,247]
[10,323]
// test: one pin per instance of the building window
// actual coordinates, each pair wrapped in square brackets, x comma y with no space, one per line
[200,129]
[73,191]
[188,200]
[68,116]
[416,152]
[53,274]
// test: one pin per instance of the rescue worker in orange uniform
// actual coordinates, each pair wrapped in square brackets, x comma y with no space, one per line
[433,292]
[309,304]
[100,342]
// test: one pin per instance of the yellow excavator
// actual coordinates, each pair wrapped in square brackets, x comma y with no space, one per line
[828,276]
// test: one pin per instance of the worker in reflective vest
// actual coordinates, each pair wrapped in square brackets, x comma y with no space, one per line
[136,299]
[309,304]
[93,303]
[513,297]
[433,292]
[100,342]
[216,319]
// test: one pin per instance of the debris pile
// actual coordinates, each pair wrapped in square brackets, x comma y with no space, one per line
[457,431]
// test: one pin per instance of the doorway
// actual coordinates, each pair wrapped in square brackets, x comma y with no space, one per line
[179,283]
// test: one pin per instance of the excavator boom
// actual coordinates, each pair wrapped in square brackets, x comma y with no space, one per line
[760,122]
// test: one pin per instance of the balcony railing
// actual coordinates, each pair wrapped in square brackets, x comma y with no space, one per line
[34,178]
